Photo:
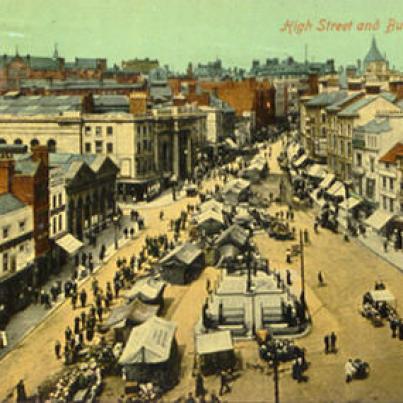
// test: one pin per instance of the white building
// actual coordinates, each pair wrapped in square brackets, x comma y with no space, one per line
[57,203]
[370,142]
[17,249]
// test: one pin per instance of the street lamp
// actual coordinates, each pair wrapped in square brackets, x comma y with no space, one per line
[347,185]
[115,220]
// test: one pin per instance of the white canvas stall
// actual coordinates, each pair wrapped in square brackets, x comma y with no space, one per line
[210,343]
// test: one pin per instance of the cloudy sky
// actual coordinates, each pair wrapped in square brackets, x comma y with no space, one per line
[178,31]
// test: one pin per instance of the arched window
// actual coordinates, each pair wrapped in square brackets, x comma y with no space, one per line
[52,146]
[34,142]
[17,141]
[2,141]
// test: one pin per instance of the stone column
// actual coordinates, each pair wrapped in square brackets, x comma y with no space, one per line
[175,154]
[189,159]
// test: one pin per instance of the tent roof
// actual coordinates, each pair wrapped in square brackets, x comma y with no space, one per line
[234,233]
[187,253]
[210,215]
[214,342]
[211,204]
[351,202]
[149,343]
[317,171]
[297,163]
[236,185]
[147,289]
[382,296]
[135,311]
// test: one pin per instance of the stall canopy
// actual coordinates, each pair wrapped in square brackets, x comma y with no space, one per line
[211,343]
[148,290]
[382,296]
[130,314]
[186,253]
[231,143]
[329,178]
[69,244]
[211,204]
[350,203]
[316,171]
[149,343]
[235,235]
[337,189]
[379,219]
[300,161]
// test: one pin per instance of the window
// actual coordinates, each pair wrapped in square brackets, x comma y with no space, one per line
[391,184]
[54,202]
[138,129]
[5,232]
[52,146]
[54,225]
[98,147]
[384,182]
[5,261]
[391,205]
[138,147]
[87,147]
[60,222]
[98,130]
[384,202]
[145,145]
[21,248]
[372,164]
[109,148]
[22,225]
[359,160]
[87,130]
[109,130]
[60,199]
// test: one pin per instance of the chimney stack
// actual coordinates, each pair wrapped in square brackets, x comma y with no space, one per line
[138,103]
[6,173]
[40,153]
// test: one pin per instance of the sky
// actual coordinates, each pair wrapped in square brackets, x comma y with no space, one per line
[179,31]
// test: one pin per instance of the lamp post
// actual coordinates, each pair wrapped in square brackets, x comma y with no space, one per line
[115,226]
[347,185]
[302,297]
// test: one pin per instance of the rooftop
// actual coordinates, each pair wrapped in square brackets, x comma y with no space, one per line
[9,203]
[327,98]
[374,55]
[393,154]
[375,126]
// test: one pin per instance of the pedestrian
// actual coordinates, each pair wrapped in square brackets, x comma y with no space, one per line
[326,340]
[315,227]
[333,339]
[190,398]
[21,394]
[74,300]
[83,298]
[67,333]
[349,370]
[306,236]
[199,389]
[208,286]
[83,317]
[131,232]
[126,232]
[76,325]
[320,279]
[393,326]
[214,398]
[58,348]
[224,386]
[288,256]
[99,312]
[385,245]
[161,215]
[288,277]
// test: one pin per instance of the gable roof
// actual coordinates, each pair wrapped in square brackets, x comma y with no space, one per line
[233,234]
[185,253]
[327,98]
[375,126]
[149,343]
[210,215]
[9,202]
[393,154]
[25,165]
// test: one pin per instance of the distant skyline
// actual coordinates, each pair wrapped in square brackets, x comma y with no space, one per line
[178,31]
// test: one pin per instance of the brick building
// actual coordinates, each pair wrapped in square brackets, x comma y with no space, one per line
[246,96]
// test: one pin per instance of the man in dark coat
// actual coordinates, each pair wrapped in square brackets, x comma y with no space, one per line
[333,339]
[326,340]
[83,298]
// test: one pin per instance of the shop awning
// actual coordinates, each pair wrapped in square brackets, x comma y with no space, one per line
[382,296]
[211,343]
[300,161]
[316,171]
[230,143]
[350,203]
[69,244]
[336,189]
[379,219]
[327,181]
